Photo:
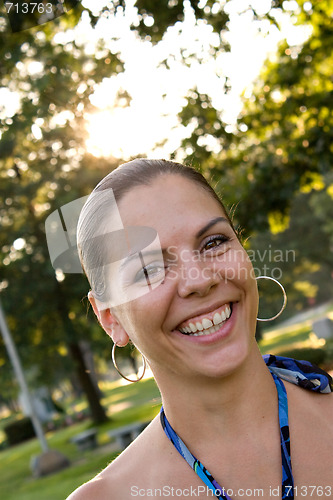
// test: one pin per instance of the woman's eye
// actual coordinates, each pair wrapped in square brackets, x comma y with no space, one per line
[152,272]
[215,241]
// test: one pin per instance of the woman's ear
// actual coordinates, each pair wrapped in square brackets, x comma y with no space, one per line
[109,323]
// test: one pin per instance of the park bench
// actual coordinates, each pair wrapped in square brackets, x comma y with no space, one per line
[126,434]
[85,440]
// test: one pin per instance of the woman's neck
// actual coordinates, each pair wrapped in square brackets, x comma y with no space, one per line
[221,407]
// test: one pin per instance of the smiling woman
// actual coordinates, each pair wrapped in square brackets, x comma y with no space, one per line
[169,273]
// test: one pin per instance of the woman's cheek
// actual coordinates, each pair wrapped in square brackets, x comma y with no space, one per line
[230,267]
[245,268]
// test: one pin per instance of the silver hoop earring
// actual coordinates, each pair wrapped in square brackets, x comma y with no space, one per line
[284,298]
[116,366]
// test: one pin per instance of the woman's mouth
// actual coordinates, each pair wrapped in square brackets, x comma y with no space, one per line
[207,324]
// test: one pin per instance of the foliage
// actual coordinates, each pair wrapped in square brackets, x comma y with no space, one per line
[275,167]
[287,145]
[314,356]
[282,141]
[41,154]
[168,14]
[19,431]
[301,255]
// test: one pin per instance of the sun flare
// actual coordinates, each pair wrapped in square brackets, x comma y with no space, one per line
[114,133]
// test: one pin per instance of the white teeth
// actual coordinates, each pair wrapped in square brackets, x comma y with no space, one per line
[217,319]
[210,330]
[207,323]
[228,311]
[206,326]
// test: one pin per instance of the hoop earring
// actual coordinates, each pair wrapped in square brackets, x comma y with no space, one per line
[116,366]
[284,298]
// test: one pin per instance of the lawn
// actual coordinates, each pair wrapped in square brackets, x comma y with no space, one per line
[291,337]
[128,403]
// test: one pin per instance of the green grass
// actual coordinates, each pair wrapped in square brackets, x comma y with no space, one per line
[286,338]
[16,483]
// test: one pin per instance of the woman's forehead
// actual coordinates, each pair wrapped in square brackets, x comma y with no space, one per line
[168,197]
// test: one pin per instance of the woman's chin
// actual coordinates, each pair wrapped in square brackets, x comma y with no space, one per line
[223,362]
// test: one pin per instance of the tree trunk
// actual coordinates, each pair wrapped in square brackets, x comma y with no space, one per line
[97,411]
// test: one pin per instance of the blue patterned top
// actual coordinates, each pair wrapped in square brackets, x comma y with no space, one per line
[301,373]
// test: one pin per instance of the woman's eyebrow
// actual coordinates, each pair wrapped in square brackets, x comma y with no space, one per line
[210,224]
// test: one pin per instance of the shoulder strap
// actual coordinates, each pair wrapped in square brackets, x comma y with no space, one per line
[302,373]
[287,475]
[192,461]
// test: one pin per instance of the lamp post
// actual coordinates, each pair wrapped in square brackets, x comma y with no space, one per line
[49,460]
[15,360]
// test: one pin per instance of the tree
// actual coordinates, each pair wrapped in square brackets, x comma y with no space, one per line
[41,150]
[282,140]
[282,159]
[300,256]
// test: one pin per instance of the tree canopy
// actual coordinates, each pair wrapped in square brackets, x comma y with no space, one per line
[282,141]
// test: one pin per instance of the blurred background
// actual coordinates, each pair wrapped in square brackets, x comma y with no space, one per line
[243,91]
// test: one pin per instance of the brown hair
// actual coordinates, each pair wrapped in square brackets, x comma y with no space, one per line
[123,179]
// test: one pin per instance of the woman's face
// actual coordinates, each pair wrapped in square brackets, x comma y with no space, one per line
[199,316]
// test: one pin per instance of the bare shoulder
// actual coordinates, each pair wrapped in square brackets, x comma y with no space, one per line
[129,468]
[96,488]
[319,398]
[323,403]
[312,407]
[311,433]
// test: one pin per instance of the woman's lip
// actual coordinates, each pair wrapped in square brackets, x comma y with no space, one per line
[211,338]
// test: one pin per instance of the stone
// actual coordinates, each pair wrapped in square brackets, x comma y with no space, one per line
[48,462]
[323,328]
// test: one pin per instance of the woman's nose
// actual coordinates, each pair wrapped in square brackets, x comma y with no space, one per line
[196,277]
